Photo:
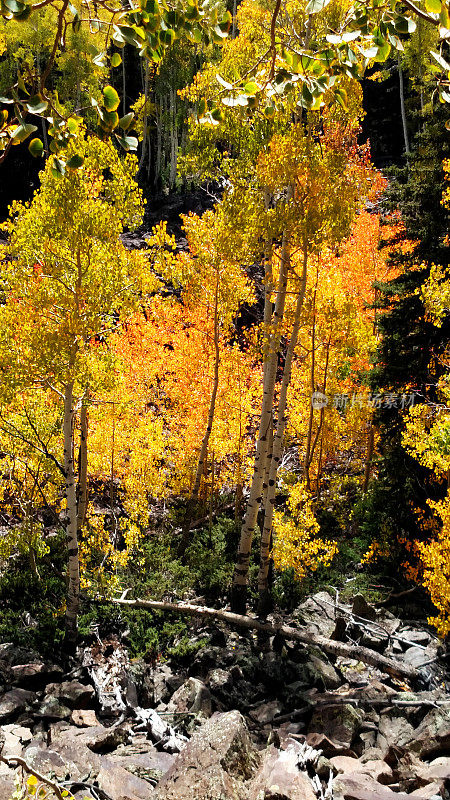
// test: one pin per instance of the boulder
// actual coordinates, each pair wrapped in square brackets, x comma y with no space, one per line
[119,784]
[35,674]
[339,723]
[84,718]
[192,697]
[431,738]
[393,729]
[141,758]
[15,702]
[265,713]
[72,693]
[216,762]
[361,608]
[323,674]
[52,708]
[279,777]
[317,612]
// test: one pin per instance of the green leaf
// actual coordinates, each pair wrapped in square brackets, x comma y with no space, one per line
[116,60]
[100,60]
[269,112]
[383,52]
[314,6]
[219,32]
[22,132]
[14,7]
[109,119]
[36,148]
[251,88]
[75,162]
[370,52]
[217,115]
[127,142]
[57,167]
[125,122]
[441,61]
[111,99]
[433,6]
[223,82]
[404,25]
[202,106]
[444,16]
[233,101]
[37,105]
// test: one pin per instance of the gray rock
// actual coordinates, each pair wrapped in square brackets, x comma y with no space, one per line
[361,608]
[192,697]
[219,680]
[72,693]
[215,763]
[279,778]
[35,674]
[393,729]
[317,612]
[15,702]
[338,723]
[416,656]
[52,708]
[119,784]
[415,636]
[323,675]
[432,737]
[266,712]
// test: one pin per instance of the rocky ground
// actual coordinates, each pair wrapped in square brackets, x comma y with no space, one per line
[248,719]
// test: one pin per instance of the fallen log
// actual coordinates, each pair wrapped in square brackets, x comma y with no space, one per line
[335,648]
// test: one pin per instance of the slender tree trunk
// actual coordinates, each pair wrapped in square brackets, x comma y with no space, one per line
[73,589]
[201,464]
[124,83]
[83,466]
[307,462]
[145,120]
[240,578]
[212,402]
[263,585]
[369,456]
[402,107]
[158,160]
[173,138]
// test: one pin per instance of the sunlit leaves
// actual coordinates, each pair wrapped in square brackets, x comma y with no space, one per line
[36,148]
[111,99]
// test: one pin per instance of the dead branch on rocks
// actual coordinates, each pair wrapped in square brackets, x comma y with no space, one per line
[16,761]
[335,648]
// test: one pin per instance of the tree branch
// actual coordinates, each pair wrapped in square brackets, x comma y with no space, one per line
[250,623]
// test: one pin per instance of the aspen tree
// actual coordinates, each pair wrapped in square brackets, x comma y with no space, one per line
[67,284]
[324,178]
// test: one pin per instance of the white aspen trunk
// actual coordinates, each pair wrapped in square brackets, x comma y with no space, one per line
[402,107]
[73,589]
[145,121]
[124,84]
[307,462]
[369,457]
[202,459]
[240,578]
[173,137]
[212,402]
[158,142]
[263,587]
[83,467]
